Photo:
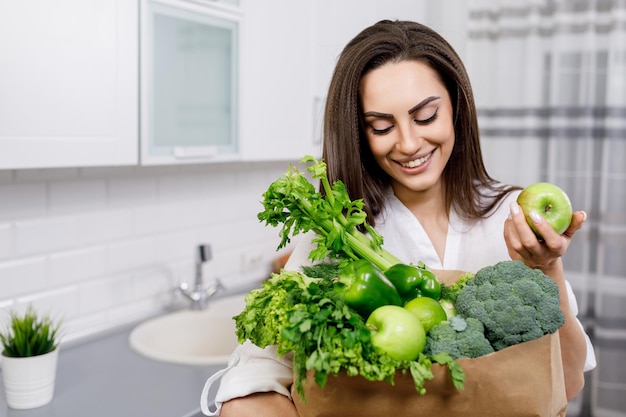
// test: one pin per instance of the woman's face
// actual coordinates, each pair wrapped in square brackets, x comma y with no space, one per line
[408,124]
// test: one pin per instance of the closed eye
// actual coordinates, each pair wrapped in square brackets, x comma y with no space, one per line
[428,119]
[382,131]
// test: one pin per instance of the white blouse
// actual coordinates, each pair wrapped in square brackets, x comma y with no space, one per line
[470,246]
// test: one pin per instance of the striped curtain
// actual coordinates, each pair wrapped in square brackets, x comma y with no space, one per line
[550,84]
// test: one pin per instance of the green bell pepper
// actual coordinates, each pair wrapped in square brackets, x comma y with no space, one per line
[414,281]
[365,288]
[431,287]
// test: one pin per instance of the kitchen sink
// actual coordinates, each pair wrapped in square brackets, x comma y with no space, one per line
[193,337]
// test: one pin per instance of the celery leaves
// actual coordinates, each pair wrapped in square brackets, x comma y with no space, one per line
[293,202]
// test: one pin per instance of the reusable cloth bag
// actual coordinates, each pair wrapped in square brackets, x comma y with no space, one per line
[524,380]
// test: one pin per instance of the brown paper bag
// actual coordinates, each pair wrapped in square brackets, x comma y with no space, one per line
[525,380]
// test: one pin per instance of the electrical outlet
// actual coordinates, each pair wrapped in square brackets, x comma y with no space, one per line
[251,261]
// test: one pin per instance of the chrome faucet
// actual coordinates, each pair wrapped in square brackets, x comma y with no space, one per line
[199,295]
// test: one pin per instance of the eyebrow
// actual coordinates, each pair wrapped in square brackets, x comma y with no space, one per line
[411,111]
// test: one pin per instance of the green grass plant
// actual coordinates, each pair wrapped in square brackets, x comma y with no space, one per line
[29,335]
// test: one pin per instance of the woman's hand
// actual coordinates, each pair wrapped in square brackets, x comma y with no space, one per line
[523,244]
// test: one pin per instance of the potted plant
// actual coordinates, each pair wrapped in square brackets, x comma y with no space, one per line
[29,358]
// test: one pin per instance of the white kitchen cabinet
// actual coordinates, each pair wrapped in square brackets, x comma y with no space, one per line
[263,94]
[68,83]
[278,106]
[189,81]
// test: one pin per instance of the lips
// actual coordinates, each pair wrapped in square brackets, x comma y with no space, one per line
[417,162]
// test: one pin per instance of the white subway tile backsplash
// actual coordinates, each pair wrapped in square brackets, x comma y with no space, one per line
[225,234]
[45,235]
[60,304]
[67,196]
[19,201]
[154,283]
[104,293]
[181,271]
[179,186]
[178,245]
[107,245]
[251,206]
[134,190]
[174,216]
[6,307]
[160,218]
[218,183]
[129,313]
[225,267]
[104,226]
[22,276]
[7,241]
[85,325]
[132,254]
[252,182]
[235,206]
[76,265]
[194,213]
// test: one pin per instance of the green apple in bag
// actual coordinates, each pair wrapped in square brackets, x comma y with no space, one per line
[396,332]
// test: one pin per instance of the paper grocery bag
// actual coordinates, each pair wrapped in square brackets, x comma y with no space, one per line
[524,380]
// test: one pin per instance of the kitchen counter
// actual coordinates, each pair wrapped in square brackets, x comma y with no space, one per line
[104,377]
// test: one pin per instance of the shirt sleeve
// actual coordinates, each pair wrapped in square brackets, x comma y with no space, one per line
[590,360]
[250,370]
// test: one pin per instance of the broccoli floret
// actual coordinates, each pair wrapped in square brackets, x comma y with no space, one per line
[515,303]
[459,337]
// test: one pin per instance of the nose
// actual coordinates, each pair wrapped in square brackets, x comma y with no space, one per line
[409,138]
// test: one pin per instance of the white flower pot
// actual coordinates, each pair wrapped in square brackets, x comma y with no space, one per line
[29,382]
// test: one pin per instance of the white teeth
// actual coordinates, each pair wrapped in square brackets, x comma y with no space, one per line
[416,162]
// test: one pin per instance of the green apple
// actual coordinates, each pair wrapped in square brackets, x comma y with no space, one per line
[396,332]
[550,202]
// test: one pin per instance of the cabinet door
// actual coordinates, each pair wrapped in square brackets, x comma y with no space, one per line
[68,83]
[189,79]
[277,101]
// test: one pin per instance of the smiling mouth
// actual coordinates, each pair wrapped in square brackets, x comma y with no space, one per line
[417,162]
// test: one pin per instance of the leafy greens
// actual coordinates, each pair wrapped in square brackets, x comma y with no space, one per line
[308,317]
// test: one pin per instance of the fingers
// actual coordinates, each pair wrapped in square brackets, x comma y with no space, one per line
[518,235]
[537,251]
[527,237]
[578,219]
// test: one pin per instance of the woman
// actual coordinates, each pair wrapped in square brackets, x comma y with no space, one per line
[401,132]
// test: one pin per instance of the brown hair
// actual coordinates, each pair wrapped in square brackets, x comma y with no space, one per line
[467,185]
